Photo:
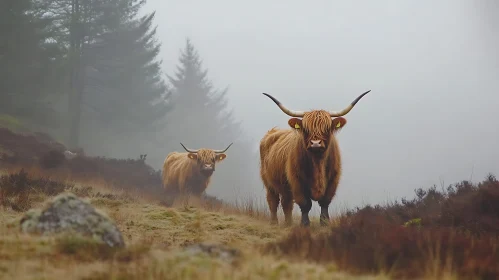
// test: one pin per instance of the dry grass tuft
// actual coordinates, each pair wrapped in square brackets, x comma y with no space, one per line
[88,250]
[450,233]
[19,190]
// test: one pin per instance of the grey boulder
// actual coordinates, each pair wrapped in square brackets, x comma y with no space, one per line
[68,213]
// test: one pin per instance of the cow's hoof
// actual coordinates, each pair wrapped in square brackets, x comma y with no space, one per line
[305,222]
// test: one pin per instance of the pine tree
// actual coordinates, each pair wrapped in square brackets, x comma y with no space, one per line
[124,80]
[125,92]
[116,89]
[79,24]
[202,118]
[29,62]
[198,103]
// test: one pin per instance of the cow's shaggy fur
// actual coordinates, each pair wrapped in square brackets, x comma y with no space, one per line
[290,171]
[302,163]
[183,172]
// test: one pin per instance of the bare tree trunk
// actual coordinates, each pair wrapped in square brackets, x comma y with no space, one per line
[76,84]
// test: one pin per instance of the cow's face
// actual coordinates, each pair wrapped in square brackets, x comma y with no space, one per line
[316,128]
[206,160]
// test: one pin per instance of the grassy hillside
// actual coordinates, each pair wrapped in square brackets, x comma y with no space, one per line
[155,236]
[448,234]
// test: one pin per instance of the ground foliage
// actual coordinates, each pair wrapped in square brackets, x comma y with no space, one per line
[453,230]
[39,150]
[439,232]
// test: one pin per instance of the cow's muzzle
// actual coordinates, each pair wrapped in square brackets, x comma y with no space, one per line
[208,169]
[316,146]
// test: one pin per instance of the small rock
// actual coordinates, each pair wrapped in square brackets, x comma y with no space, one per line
[69,154]
[66,212]
[214,250]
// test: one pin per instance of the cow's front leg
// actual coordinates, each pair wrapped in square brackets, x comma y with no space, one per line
[305,204]
[324,214]
[305,208]
[302,198]
[324,204]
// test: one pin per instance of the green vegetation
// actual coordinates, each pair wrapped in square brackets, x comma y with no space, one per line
[437,235]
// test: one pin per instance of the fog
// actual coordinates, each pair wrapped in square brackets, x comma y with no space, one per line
[430,118]
[432,67]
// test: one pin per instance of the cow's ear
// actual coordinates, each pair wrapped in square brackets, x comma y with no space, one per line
[295,123]
[221,157]
[339,123]
[192,156]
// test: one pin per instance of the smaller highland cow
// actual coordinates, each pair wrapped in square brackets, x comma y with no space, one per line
[190,172]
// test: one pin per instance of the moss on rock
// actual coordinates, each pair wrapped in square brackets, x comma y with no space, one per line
[68,213]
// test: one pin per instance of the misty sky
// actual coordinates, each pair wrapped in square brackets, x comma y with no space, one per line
[432,66]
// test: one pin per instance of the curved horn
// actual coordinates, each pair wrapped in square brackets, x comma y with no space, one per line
[223,151]
[347,109]
[188,150]
[298,114]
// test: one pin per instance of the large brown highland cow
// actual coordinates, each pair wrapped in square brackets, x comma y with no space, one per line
[190,172]
[302,163]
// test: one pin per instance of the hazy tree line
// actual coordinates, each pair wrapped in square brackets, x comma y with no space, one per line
[88,73]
